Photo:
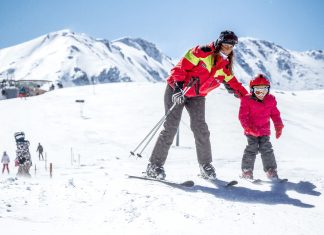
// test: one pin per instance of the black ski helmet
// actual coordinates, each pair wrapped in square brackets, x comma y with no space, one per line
[228,37]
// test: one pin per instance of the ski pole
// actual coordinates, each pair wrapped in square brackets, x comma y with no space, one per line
[156,129]
[159,124]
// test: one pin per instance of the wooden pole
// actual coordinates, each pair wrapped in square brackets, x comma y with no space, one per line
[45,161]
[51,169]
[71,156]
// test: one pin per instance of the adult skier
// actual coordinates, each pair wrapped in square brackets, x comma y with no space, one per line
[40,150]
[212,65]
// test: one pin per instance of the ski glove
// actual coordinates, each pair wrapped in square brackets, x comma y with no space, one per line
[278,131]
[178,96]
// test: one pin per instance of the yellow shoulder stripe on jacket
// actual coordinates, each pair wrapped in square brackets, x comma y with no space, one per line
[220,72]
[208,61]
[191,57]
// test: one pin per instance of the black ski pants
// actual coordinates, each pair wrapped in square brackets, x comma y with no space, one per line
[255,145]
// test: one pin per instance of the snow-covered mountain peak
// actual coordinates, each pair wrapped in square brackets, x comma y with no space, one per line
[63,32]
[316,54]
[287,69]
[141,44]
[76,58]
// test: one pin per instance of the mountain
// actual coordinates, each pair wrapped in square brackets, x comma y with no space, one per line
[287,70]
[89,192]
[77,59]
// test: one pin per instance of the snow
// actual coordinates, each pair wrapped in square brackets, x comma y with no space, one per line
[94,196]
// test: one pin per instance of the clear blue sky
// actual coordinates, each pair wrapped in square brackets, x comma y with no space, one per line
[173,25]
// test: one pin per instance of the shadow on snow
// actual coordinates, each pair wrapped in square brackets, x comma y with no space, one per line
[277,194]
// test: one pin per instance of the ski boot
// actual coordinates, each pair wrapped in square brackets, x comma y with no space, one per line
[207,171]
[272,174]
[155,171]
[247,174]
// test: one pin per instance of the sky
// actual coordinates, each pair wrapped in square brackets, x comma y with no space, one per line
[173,25]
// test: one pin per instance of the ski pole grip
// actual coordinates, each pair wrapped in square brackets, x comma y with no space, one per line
[192,82]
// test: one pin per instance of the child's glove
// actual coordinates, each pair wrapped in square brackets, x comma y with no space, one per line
[278,131]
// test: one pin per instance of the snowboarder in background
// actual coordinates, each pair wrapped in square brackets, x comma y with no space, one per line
[255,113]
[5,161]
[40,151]
[23,158]
[212,65]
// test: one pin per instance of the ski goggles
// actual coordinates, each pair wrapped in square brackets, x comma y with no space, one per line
[230,39]
[228,45]
[260,90]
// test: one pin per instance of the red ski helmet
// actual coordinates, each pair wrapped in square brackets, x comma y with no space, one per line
[259,80]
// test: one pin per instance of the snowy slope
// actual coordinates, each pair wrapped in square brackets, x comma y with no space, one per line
[96,197]
[79,59]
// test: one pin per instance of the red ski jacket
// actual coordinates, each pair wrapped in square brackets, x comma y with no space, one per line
[255,115]
[201,63]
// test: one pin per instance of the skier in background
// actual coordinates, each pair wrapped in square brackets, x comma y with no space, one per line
[23,92]
[255,113]
[212,65]
[5,161]
[40,150]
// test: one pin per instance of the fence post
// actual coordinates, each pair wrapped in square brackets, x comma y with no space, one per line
[81,102]
[45,161]
[51,170]
[72,157]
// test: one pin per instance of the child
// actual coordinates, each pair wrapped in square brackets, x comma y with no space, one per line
[255,112]
[5,161]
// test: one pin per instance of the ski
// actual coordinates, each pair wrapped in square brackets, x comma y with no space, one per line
[221,183]
[225,184]
[188,183]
